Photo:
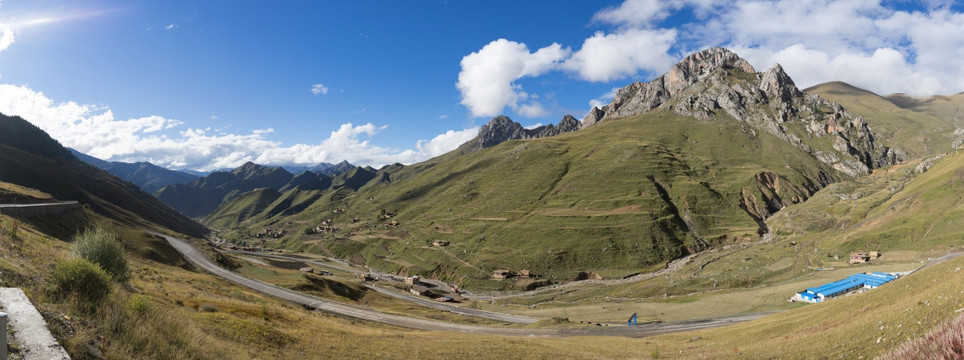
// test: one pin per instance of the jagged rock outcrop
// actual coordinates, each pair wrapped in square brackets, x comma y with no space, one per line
[716,81]
[501,129]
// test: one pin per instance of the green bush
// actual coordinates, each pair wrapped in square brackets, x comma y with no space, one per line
[81,278]
[101,247]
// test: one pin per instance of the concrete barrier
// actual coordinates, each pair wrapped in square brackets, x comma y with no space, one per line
[32,210]
[30,332]
[3,339]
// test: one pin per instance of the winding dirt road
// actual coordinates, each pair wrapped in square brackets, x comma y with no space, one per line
[358,312]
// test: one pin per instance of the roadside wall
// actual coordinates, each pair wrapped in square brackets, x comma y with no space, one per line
[33,210]
[30,333]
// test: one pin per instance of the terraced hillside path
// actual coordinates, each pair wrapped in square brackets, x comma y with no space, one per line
[358,312]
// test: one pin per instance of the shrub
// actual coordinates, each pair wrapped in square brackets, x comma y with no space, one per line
[139,305]
[101,247]
[82,279]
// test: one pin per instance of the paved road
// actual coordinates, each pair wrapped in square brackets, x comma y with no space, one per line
[509,318]
[358,312]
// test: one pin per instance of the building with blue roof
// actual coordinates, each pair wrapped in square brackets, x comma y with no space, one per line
[854,282]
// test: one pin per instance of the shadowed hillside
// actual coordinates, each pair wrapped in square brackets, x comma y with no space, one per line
[29,157]
[147,176]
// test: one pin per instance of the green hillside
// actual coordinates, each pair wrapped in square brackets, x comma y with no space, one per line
[949,107]
[919,133]
[202,196]
[618,198]
[897,209]
[707,154]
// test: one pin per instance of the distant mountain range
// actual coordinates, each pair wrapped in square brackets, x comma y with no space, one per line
[204,195]
[145,175]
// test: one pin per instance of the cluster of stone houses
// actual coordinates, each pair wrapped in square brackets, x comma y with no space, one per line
[326,226]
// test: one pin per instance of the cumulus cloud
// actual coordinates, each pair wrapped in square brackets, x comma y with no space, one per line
[606,57]
[319,89]
[487,79]
[95,130]
[864,43]
[868,43]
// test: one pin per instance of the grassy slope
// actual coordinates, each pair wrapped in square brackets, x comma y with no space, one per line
[910,217]
[861,325]
[242,206]
[944,107]
[163,310]
[920,133]
[891,210]
[582,201]
[168,312]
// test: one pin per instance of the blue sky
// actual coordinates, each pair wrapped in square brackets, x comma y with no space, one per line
[212,84]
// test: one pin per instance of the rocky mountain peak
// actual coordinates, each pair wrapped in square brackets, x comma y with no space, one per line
[701,64]
[501,129]
[716,83]
[497,131]
[776,83]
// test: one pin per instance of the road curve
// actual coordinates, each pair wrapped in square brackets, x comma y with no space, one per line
[490,315]
[358,312]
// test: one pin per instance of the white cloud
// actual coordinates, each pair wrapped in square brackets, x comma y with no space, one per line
[170,27]
[867,43]
[319,89]
[604,99]
[532,110]
[606,57]
[487,79]
[861,42]
[636,13]
[95,131]
[445,142]
[6,36]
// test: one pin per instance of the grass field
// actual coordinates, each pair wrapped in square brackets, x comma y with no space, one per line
[168,307]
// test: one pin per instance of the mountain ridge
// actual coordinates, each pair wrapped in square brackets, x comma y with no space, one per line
[145,175]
